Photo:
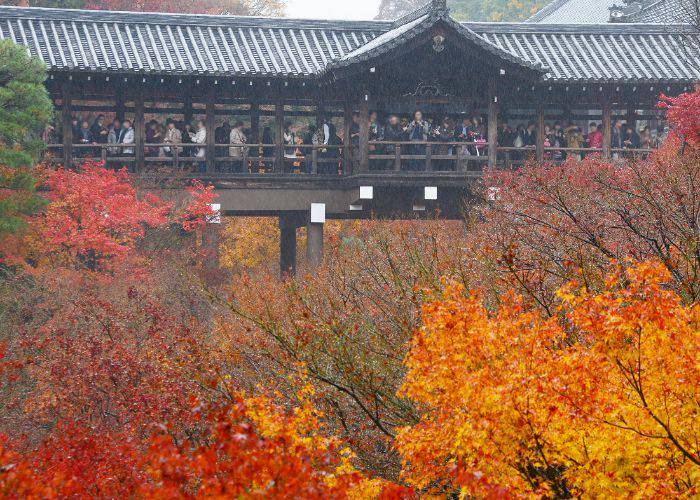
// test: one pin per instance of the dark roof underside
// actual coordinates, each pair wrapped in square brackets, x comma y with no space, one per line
[163,44]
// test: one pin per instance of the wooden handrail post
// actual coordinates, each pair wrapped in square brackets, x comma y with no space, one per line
[607,128]
[397,159]
[176,157]
[429,157]
[314,160]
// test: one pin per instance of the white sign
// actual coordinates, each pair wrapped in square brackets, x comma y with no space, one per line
[318,213]
[366,192]
[430,193]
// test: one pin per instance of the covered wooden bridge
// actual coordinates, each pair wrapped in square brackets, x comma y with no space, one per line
[266,72]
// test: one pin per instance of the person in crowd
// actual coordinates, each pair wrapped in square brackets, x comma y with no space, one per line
[462,135]
[645,138]
[375,135]
[331,153]
[418,131]
[530,135]
[172,136]
[595,137]
[75,128]
[237,137]
[99,131]
[444,134]
[127,137]
[631,140]
[115,136]
[200,137]
[48,136]
[153,136]
[393,133]
[222,135]
[660,136]
[84,137]
[188,133]
[573,139]
[268,151]
[617,140]
[290,141]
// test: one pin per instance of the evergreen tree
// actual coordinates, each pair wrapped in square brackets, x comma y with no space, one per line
[25,109]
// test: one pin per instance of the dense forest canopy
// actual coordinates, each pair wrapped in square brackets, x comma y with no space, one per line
[468,10]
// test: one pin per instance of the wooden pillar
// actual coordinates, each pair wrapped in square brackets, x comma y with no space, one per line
[67,118]
[279,137]
[607,128]
[632,117]
[254,122]
[210,125]
[347,143]
[539,148]
[364,134]
[187,110]
[139,129]
[288,245]
[493,122]
[119,105]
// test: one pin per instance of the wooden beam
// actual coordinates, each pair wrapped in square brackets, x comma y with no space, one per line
[279,137]
[493,122]
[364,134]
[119,104]
[67,118]
[139,129]
[539,147]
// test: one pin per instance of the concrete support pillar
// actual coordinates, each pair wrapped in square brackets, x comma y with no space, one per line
[288,245]
[364,135]
[314,244]
[67,119]
[539,148]
[139,129]
[493,122]
[607,128]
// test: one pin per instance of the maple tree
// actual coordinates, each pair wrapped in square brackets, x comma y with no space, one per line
[600,404]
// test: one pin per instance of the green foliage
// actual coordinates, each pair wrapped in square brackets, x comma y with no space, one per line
[25,109]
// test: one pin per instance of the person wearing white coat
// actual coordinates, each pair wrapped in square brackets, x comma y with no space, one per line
[200,137]
[237,137]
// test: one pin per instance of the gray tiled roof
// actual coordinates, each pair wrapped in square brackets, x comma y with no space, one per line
[659,11]
[574,12]
[97,41]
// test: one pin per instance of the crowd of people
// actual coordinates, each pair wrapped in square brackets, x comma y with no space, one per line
[464,137]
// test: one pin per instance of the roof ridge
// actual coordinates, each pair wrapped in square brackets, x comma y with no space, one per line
[137,17]
[546,10]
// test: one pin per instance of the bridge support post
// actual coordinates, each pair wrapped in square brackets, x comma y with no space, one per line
[139,130]
[210,124]
[314,244]
[279,166]
[347,145]
[288,245]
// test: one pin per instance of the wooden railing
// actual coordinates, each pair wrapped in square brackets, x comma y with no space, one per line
[320,159]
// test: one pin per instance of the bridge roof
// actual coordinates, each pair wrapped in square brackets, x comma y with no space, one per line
[174,44]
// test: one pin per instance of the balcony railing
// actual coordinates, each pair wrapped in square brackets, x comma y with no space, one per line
[319,159]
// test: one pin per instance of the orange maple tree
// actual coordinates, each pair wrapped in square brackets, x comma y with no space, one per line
[599,402]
